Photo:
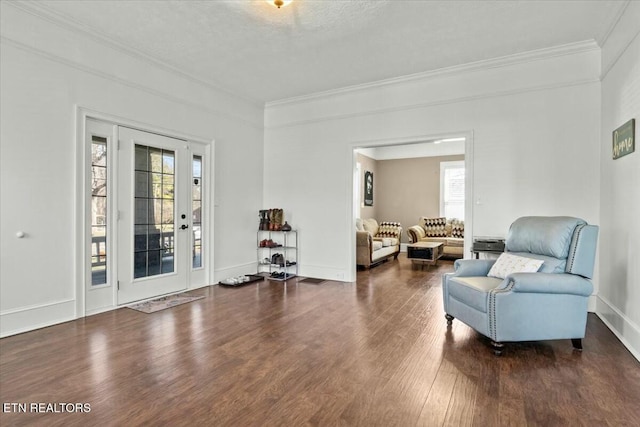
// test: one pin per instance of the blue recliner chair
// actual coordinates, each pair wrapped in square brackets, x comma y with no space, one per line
[544,305]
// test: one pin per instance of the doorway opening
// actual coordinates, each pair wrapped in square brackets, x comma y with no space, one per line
[427,176]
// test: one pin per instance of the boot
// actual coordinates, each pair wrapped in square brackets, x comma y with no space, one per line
[272,219]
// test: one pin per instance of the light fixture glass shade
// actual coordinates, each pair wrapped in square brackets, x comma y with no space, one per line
[278,3]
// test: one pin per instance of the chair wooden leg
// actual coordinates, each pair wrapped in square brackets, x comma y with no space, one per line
[577,343]
[449,318]
[497,347]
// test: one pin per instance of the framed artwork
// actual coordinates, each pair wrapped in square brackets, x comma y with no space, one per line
[624,139]
[368,188]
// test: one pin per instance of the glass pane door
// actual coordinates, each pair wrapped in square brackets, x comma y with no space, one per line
[154,203]
[154,231]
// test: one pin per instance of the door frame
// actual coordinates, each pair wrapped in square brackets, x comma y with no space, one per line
[82,236]
[351,194]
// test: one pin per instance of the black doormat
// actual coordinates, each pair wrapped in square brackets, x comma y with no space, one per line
[312,281]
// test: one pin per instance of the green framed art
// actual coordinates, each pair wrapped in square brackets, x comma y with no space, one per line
[624,139]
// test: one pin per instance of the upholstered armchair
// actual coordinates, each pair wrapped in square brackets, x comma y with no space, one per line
[537,290]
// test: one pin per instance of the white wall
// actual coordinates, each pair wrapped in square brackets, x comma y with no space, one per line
[534,120]
[48,69]
[619,295]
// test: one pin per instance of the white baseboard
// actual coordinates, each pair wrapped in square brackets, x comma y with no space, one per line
[13,322]
[620,325]
[100,310]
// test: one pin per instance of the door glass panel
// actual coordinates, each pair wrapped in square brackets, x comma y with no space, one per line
[154,211]
[155,158]
[142,184]
[168,160]
[196,208]
[98,210]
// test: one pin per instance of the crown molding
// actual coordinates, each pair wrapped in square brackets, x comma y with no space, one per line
[607,32]
[614,60]
[86,69]
[503,61]
[46,13]
[415,106]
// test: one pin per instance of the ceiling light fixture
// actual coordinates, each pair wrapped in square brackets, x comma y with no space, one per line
[279,3]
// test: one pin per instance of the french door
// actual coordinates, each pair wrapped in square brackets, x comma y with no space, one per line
[147,230]
[155,215]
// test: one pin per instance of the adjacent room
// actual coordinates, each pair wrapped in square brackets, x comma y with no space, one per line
[306,212]
[413,183]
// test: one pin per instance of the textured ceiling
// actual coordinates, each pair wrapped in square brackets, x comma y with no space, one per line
[262,53]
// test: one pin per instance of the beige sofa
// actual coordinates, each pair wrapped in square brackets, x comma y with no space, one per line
[375,242]
[448,231]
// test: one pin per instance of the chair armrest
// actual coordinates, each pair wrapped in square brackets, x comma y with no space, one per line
[472,267]
[363,238]
[416,233]
[549,283]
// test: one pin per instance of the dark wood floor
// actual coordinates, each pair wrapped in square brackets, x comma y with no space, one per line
[372,353]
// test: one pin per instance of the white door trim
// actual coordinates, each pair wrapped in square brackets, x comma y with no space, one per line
[81,179]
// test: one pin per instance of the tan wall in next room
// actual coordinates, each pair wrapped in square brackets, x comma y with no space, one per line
[406,189]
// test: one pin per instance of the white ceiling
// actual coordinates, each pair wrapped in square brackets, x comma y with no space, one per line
[421,149]
[264,54]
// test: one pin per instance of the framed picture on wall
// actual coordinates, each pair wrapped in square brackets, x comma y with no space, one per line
[368,188]
[624,139]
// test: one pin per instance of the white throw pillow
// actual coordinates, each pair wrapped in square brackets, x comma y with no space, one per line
[507,264]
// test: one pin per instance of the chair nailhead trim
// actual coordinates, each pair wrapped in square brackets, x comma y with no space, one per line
[573,255]
[492,307]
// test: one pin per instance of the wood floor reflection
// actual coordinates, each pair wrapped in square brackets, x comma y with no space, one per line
[377,353]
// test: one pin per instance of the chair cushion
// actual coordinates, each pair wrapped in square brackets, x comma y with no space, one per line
[442,240]
[457,228]
[389,229]
[376,244]
[507,264]
[550,236]
[473,291]
[370,225]
[434,227]
[387,241]
[452,241]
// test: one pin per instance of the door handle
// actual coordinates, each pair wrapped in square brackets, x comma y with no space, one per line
[184,226]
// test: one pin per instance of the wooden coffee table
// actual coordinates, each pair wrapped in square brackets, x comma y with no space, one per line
[424,253]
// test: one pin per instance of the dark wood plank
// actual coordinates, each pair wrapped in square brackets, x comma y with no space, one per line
[377,352]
